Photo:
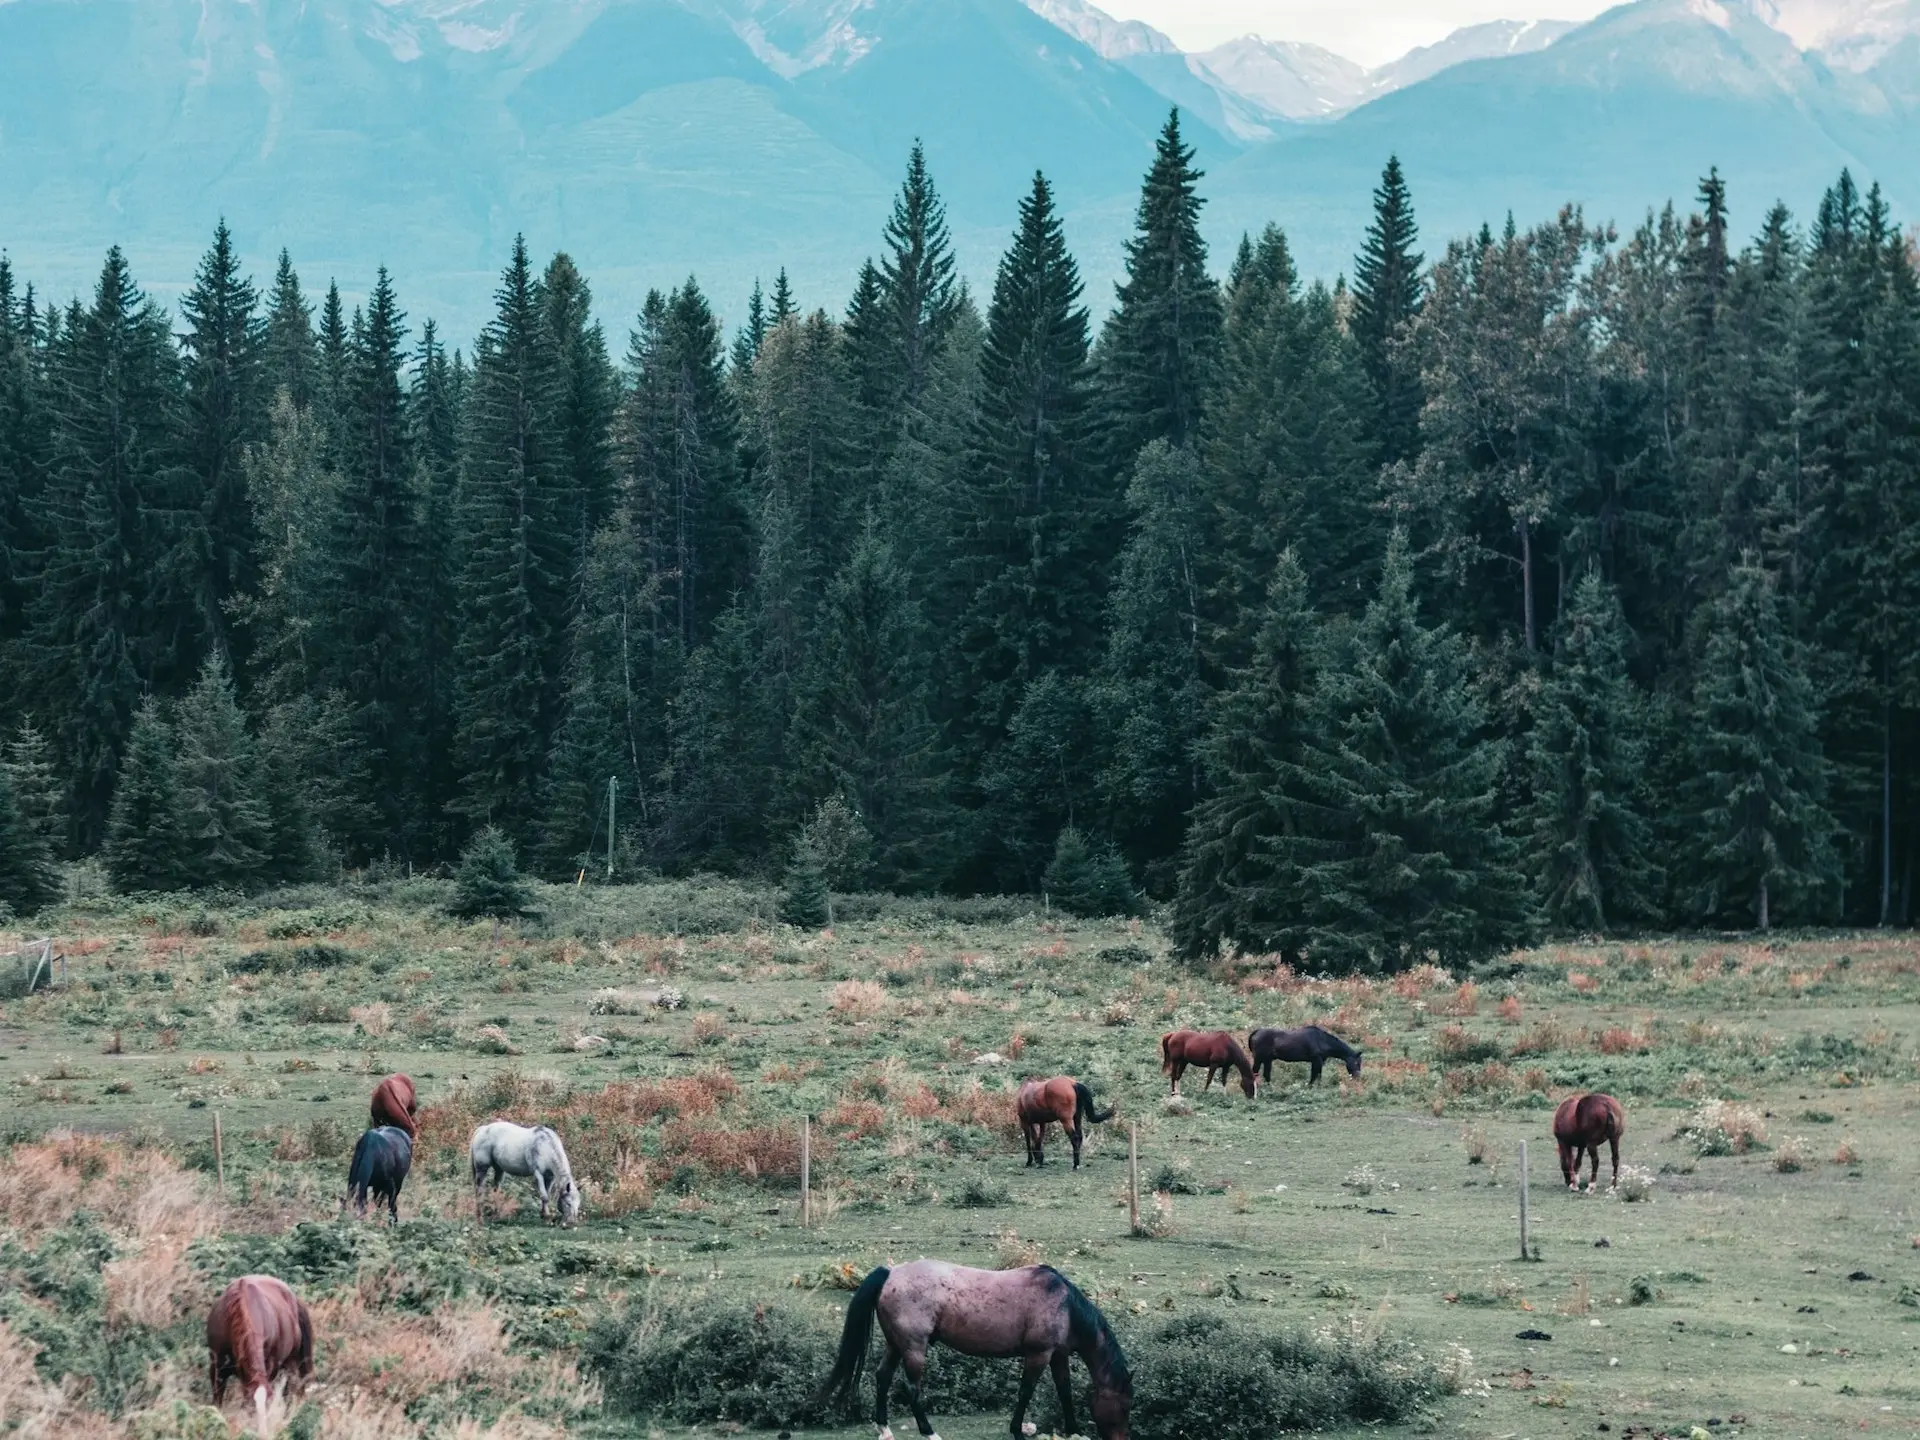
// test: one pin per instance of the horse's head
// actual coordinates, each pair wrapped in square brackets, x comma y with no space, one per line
[1247,1082]
[1113,1407]
[569,1201]
[1353,1063]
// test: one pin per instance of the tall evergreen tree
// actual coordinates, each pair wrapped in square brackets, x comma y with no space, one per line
[435,406]
[1592,845]
[144,849]
[28,879]
[919,280]
[39,796]
[222,826]
[225,411]
[288,356]
[23,456]
[1386,302]
[1161,347]
[1759,838]
[586,393]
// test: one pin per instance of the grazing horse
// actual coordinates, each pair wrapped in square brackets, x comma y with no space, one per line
[257,1329]
[394,1104]
[1063,1099]
[381,1160]
[1579,1125]
[1309,1044]
[508,1149]
[1035,1315]
[1215,1049]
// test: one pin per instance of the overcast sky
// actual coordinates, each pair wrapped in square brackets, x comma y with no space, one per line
[1370,31]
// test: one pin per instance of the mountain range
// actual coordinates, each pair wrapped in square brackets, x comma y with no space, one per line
[728,138]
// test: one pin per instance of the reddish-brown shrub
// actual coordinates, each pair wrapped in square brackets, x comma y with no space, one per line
[760,1152]
[1582,982]
[1462,1002]
[857,1119]
[1510,1010]
[1616,1041]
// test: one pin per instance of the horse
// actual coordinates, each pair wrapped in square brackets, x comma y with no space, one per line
[1042,1102]
[394,1104]
[1215,1049]
[1579,1125]
[381,1159]
[508,1149]
[256,1330]
[1035,1315]
[1309,1044]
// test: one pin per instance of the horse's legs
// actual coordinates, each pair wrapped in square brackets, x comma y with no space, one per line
[1063,1387]
[1613,1144]
[1266,1070]
[883,1389]
[1593,1179]
[540,1186]
[1179,1069]
[1076,1135]
[1209,1085]
[217,1378]
[916,1365]
[1569,1162]
[1315,1080]
[1029,1378]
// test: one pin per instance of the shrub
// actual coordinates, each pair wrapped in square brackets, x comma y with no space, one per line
[1206,1374]
[1362,1180]
[980,1192]
[1724,1127]
[1847,1153]
[1792,1154]
[488,881]
[1635,1184]
[1088,880]
[805,901]
[857,1000]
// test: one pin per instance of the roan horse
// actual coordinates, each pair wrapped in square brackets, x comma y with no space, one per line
[1035,1315]
[381,1160]
[257,1329]
[1041,1103]
[1215,1049]
[508,1149]
[395,1104]
[1308,1044]
[1579,1125]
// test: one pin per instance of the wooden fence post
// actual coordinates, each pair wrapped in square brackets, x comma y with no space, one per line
[219,1155]
[806,1172]
[1526,1252]
[1133,1177]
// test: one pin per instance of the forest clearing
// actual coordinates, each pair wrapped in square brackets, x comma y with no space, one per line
[1766,1281]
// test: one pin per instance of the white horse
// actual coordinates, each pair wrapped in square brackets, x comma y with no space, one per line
[504,1148]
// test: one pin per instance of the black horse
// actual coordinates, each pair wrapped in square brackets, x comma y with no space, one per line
[1307,1045]
[381,1160]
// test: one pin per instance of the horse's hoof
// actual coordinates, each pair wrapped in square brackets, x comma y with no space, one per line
[1027,1427]
[886,1432]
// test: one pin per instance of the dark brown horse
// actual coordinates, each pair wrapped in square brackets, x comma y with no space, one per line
[1062,1099]
[1035,1315]
[1309,1045]
[394,1104]
[256,1330]
[1579,1125]
[1215,1049]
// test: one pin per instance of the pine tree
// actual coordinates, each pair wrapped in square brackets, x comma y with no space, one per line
[806,900]
[144,849]
[223,828]
[331,378]
[1386,302]
[28,879]
[23,457]
[488,881]
[114,608]
[586,393]
[1759,835]
[1593,847]
[1161,347]
[291,852]
[1044,776]
[1044,528]
[1401,855]
[784,307]
[225,411]
[920,288]
[288,356]
[512,539]
[1231,889]
[725,744]
[39,796]
[434,411]
[748,340]
[1088,879]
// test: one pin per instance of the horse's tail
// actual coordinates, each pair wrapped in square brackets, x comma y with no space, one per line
[854,1339]
[360,1170]
[1166,1052]
[1083,1105]
[245,1343]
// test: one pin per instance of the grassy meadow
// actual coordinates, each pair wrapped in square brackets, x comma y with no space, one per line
[1765,1282]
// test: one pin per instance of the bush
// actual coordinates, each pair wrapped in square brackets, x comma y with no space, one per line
[980,1192]
[488,882]
[756,1367]
[1087,880]
[805,902]
[1213,1376]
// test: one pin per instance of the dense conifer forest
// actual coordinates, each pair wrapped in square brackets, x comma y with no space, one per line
[1561,581]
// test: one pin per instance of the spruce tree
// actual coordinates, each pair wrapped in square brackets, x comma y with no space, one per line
[1043,777]
[919,282]
[1232,889]
[784,306]
[1386,302]
[144,849]
[225,411]
[1592,846]
[1758,834]
[748,339]
[23,458]
[1088,879]
[291,850]
[434,410]
[488,882]
[806,900]
[1161,347]
[222,826]
[28,879]
[725,747]
[288,358]
[38,792]
[1401,854]
[586,393]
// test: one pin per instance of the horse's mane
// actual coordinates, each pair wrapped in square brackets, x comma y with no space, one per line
[1341,1047]
[1090,1331]
[1242,1061]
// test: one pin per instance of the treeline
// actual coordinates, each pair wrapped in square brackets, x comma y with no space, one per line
[1565,582]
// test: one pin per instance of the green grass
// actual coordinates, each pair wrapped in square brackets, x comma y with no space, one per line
[267,1015]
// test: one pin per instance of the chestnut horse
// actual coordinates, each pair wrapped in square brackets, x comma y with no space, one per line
[1579,1125]
[394,1104]
[1041,1103]
[1215,1049]
[1036,1316]
[257,1330]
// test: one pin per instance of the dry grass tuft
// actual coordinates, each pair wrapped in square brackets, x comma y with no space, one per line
[133,1189]
[857,1000]
[1011,1252]
[1792,1154]
[1724,1127]
[1464,1002]
[375,1019]
[1847,1153]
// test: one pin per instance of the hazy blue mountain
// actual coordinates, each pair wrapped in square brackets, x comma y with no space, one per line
[658,138]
